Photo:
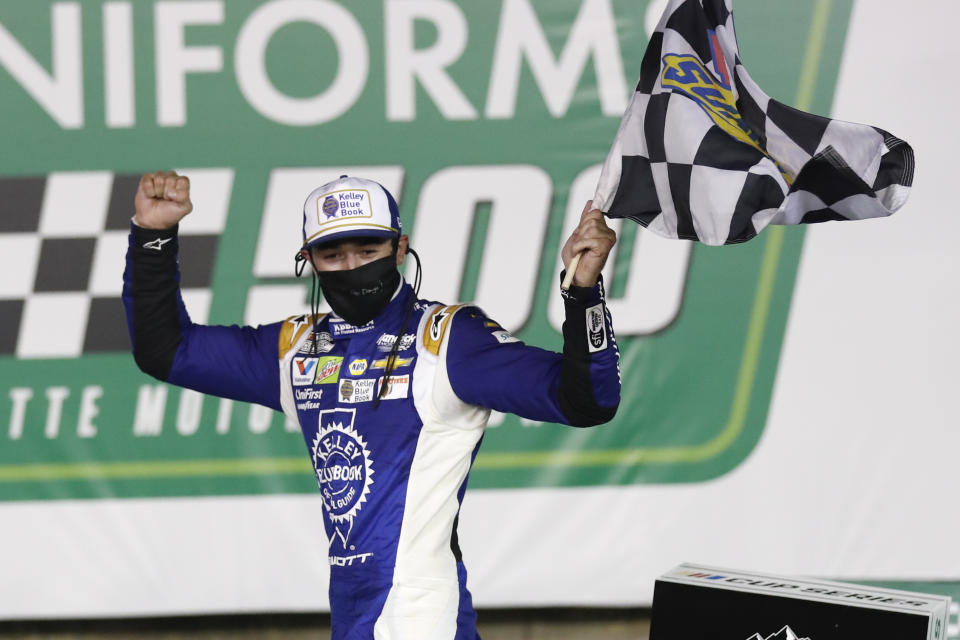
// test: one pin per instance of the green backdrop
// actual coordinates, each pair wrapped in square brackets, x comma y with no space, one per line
[695,394]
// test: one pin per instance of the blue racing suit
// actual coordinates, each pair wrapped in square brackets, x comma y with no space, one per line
[392,472]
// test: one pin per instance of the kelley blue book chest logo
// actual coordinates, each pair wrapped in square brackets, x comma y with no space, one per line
[344,470]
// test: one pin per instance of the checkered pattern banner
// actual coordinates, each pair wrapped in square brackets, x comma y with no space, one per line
[63,238]
[703,154]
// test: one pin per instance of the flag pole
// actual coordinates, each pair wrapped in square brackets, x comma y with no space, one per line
[571,270]
[575,260]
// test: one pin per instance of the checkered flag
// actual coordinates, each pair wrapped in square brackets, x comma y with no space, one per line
[703,154]
[63,238]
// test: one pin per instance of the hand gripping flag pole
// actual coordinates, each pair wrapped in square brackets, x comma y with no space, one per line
[704,154]
[571,270]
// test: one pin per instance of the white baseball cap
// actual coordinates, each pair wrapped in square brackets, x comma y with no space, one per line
[349,207]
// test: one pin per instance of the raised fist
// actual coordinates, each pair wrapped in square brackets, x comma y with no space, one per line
[162,200]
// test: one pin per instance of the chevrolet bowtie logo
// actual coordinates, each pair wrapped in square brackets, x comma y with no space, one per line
[156,244]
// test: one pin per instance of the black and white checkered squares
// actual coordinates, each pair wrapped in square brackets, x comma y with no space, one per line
[703,154]
[63,238]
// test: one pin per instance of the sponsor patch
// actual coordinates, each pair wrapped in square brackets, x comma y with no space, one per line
[308,394]
[504,337]
[304,371]
[290,332]
[347,204]
[436,327]
[358,366]
[356,390]
[324,343]
[397,363]
[344,469]
[396,387]
[438,324]
[596,328]
[386,340]
[328,369]
[341,328]
[308,398]
[156,245]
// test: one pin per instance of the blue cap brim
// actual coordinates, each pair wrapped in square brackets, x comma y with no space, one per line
[352,233]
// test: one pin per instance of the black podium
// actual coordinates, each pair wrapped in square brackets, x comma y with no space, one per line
[696,603]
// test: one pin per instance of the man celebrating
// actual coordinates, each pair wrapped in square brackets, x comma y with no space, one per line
[392,392]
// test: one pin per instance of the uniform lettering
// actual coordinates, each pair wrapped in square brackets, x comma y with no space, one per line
[346,561]
[520,40]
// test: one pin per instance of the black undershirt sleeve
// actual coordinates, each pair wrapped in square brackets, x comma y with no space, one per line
[151,297]
[578,390]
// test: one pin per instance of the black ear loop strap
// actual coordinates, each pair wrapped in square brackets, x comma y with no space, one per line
[299,264]
[392,356]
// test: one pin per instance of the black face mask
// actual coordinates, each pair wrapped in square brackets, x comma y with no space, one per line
[359,295]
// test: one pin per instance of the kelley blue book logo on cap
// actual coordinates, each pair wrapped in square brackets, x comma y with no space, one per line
[330,206]
[345,204]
